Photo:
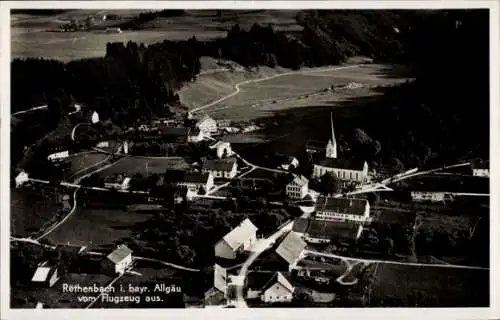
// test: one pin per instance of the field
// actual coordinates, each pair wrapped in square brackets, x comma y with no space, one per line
[133,165]
[97,227]
[30,209]
[82,161]
[430,287]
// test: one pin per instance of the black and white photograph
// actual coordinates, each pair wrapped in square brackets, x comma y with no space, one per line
[175,157]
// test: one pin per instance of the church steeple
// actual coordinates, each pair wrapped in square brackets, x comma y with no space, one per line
[331,147]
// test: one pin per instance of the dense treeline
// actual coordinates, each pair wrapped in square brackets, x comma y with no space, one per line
[138,20]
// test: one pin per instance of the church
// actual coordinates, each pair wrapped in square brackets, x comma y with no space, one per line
[348,171]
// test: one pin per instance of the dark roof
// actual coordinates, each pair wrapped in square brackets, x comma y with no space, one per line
[300,225]
[219,164]
[341,205]
[332,229]
[480,164]
[184,176]
[258,279]
[352,164]
[315,144]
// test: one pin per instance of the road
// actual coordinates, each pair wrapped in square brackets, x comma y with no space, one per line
[74,129]
[238,85]
[213,190]
[29,110]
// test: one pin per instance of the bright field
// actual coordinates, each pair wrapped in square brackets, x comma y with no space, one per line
[443,287]
[133,165]
[300,89]
[98,227]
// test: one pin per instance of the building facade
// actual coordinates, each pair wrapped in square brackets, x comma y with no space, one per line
[352,171]
[335,209]
[297,188]
[207,125]
[429,196]
[279,289]
[21,179]
[221,168]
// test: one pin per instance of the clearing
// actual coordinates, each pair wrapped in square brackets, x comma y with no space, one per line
[84,160]
[133,165]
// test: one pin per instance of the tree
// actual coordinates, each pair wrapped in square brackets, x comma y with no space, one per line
[330,183]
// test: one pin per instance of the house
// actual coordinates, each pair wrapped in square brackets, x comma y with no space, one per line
[217,294]
[39,305]
[290,163]
[21,179]
[66,203]
[95,117]
[347,171]
[297,188]
[207,125]
[195,135]
[119,260]
[324,231]
[223,123]
[193,181]
[353,209]
[430,196]
[119,182]
[58,155]
[102,144]
[221,168]
[287,253]
[222,149]
[480,168]
[238,240]
[269,287]
[46,275]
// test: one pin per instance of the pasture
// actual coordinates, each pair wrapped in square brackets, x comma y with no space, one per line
[99,228]
[133,165]
[405,286]
[84,160]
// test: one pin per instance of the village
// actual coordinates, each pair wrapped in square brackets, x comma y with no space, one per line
[330,225]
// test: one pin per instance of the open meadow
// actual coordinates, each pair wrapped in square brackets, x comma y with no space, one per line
[133,165]
[84,161]
[405,286]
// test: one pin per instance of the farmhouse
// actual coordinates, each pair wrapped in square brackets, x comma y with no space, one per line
[193,181]
[119,260]
[21,179]
[480,168]
[207,125]
[269,287]
[221,168]
[95,117]
[352,209]
[287,252]
[119,182]
[297,188]
[430,196]
[46,275]
[222,149]
[238,240]
[58,155]
[324,231]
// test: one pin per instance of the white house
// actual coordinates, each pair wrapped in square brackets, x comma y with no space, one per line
[58,155]
[102,144]
[221,168]
[21,179]
[120,182]
[351,209]
[223,149]
[45,275]
[480,168]
[238,240]
[297,188]
[194,181]
[323,231]
[95,117]
[289,163]
[279,289]
[207,125]
[120,259]
[431,196]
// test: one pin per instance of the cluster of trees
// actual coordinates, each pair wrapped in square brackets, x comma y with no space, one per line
[144,17]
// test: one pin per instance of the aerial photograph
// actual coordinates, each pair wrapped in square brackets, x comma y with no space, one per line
[181,158]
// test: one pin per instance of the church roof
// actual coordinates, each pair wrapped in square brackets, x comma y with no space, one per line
[353,164]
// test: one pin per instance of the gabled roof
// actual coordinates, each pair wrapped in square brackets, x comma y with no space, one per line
[240,234]
[279,278]
[300,225]
[119,254]
[291,247]
[43,272]
[341,205]
[333,229]
[353,164]
[299,180]
[220,276]
[219,164]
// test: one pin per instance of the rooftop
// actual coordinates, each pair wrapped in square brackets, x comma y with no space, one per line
[352,164]
[333,229]
[240,234]
[119,254]
[300,180]
[291,247]
[42,272]
[220,276]
[219,164]
[341,205]
[281,279]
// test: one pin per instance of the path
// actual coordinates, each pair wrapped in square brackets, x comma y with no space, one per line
[238,85]
[29,110]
